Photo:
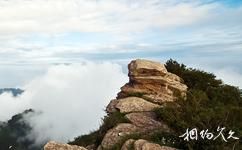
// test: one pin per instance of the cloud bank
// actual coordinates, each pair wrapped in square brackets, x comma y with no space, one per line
[60,31]
[69,99]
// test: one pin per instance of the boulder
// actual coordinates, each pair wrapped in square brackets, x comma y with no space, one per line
[138,144]
[58,146]
[145,145]
[142,67]
[114,135]
[146,121]
[149,146]
[112,106]
[150,80]
[128,144]
[135,104]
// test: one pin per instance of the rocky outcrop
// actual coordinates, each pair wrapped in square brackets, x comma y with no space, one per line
[150,87]
[58,146]
[152,81]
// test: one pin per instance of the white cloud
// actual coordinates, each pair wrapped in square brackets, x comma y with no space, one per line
[36,31]
[230,76]
[71,99]
[45,16]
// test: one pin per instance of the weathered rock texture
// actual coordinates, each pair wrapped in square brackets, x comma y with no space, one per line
[58,146]
[114,135]
[145,145]
[135,104]
[152,81]
[146,121]
[150,86]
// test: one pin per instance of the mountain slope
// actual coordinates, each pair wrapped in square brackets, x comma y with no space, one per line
[206,104]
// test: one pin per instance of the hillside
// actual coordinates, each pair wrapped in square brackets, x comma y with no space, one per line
[13,133]
[159,104]
[13,91]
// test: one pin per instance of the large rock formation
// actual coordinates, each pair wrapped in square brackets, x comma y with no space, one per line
[151,81]
[150,87]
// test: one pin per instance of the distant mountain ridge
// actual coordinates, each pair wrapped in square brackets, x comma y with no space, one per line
[15,91]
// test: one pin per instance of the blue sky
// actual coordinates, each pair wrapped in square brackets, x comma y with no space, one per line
[201,33]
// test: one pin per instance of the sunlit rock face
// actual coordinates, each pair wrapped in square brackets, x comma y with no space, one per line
[153,82]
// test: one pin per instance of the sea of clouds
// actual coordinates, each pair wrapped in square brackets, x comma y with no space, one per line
[69,99]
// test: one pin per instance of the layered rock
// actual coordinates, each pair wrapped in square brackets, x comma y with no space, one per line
[150,86]
[152,81]
[58,146]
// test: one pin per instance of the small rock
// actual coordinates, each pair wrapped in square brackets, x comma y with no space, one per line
[138,144]
[114,135]
[146,121]
[145,145]
[151,146]
[111,106]
[128,144]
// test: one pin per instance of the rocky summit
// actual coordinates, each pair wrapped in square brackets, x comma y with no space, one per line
[150,86]
[153,82]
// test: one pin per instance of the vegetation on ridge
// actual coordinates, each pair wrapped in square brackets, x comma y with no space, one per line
[209,104]
[13,133]
[95,137]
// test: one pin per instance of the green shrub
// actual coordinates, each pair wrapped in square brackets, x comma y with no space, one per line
[108,122]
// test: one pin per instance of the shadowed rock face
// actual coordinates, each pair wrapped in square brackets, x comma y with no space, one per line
[114,135]
[145,145]
[146,121]
[152,81]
